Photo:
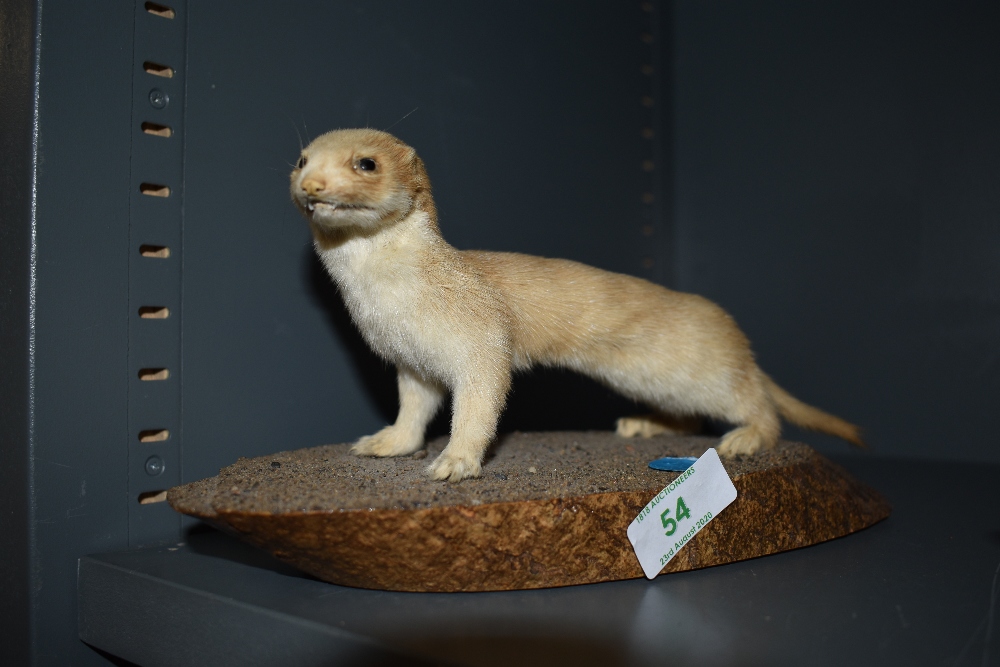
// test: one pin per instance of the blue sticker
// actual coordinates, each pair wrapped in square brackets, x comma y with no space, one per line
[673,463]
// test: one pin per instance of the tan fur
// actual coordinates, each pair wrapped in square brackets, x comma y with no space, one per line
[463,322]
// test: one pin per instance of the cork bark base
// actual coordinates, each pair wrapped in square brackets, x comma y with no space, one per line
[551,509]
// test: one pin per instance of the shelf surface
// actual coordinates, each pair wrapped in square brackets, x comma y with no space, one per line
[914,589]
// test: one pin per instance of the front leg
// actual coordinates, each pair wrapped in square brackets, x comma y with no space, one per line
[477,406]
[419,399]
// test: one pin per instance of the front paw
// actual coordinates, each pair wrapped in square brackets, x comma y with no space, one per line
[453,468]
[390,441]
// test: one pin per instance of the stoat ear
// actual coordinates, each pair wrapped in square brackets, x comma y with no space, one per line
[418,164]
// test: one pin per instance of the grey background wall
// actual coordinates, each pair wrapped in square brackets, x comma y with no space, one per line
[838,190]
[829,174]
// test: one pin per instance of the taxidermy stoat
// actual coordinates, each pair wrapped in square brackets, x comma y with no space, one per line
[464,321]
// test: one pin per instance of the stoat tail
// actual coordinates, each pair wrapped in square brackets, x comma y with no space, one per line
[809,417]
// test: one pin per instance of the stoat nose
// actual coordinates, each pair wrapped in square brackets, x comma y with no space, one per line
[313,187]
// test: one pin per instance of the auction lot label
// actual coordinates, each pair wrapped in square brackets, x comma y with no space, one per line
[679,511]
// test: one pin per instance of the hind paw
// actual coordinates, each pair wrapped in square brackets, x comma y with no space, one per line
[743,441]
[646,426]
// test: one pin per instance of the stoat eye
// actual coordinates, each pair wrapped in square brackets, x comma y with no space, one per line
[367,164]
[301,163]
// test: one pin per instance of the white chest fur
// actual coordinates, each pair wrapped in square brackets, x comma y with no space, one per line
[385,288]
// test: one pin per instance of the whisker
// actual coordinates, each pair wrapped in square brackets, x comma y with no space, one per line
[297,133]
[400,120]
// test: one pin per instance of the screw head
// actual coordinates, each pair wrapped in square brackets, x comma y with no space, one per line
[158,99]
[155,466]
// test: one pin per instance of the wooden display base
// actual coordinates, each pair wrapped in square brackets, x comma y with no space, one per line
[551,509]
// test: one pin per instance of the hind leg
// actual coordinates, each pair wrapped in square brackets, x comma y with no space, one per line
[646,426]
[758,423]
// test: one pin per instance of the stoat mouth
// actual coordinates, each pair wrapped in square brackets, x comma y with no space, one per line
[313,205]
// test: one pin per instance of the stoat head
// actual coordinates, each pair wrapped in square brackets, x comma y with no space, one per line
[362,179]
